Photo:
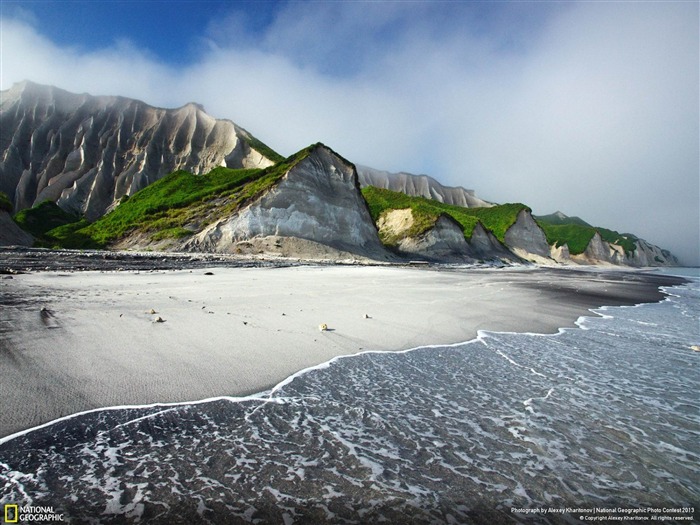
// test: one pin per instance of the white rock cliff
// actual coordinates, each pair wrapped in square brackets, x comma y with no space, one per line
[86,152]
[419,186]
[527,240]
[317,200]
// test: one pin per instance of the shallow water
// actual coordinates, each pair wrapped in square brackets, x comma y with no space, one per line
[607,415]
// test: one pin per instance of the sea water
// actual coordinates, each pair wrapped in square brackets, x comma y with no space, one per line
[506,428]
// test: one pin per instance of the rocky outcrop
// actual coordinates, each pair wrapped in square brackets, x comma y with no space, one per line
[11,234]
[560,254]
[484,245]
[86,152]
[444,241]
[318,200]
[600,252]
[647,254]
[527,240]
[419,186]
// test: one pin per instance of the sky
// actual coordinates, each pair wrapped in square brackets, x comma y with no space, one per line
[590,108]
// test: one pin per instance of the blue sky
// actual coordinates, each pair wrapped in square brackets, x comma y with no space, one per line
[163,28]
[586,107]
[177,31]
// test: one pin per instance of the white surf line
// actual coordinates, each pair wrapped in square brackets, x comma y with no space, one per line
[253,397]
[580,323]
[481,336]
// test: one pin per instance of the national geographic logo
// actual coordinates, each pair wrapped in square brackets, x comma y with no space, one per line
[31,514]
[11,513]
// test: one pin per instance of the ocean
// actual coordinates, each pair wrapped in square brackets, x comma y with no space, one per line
[599,421]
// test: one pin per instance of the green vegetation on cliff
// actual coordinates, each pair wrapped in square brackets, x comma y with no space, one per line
[577,234]
[626,240]
[176,206]
[382,201]
[499,218]
[426,211]
[42,218]
[262,148]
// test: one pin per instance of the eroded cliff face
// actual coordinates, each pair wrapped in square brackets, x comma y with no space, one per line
[484,245]
[318,200]
[11,234]
[87,152]
[560,254]
[601,252]
[648,254]
[444,241]
[527,240]
[419,186]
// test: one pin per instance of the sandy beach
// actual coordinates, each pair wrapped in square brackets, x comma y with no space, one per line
[74,341]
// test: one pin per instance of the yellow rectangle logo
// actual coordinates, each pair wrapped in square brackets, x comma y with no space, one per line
[11,513]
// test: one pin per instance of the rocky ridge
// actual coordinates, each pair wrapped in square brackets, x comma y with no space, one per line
[625,249]
[86,152]
[601,252]
[419,186]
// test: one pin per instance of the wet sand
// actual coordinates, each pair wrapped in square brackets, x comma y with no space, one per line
[74,341]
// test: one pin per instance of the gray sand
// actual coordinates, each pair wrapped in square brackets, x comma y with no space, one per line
[70,342]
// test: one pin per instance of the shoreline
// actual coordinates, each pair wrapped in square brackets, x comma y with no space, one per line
[265,395]
[252,349]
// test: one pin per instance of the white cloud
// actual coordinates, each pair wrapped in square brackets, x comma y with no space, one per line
[590,108]
[119,70]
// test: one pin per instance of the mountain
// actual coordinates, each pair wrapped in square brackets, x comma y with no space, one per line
[112,172]
[308,205]
[86,152]
[10,232]
[418,226]
[419,186]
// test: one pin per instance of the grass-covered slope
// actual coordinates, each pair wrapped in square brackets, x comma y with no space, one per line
[262,148]
[426,211]
[499,218]
[176,206]
[425,215]
[577,233]
[42,218]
